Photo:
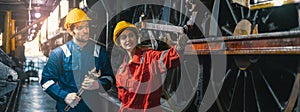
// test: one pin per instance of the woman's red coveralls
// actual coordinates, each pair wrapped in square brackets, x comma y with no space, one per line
[139,82]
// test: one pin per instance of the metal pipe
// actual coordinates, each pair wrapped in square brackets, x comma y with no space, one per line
[214,19]
[231,11]
[29,13]
[95,41]
[242,12]
[7,32]
[29,26]
[180,17]
[234,91]
[13,40]
[226,30]
[290,34]
[161,27]
[280,106]
[17,97]
[81,90]
[255,93]
[79,93]
[107,19]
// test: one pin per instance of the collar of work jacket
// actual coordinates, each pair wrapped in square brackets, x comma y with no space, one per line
[138,57]
[88,46]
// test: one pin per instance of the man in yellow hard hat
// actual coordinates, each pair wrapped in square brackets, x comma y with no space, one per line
[67,66]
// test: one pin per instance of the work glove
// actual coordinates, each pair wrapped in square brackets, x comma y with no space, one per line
[90,81]
[72,99]
[181,42]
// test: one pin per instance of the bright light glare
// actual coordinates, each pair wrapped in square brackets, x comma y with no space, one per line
[35,25]
[278,2]
[37,15]
[29,37]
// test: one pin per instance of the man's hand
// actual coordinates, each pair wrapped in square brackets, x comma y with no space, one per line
[72,99]
[90,83]
[181,42]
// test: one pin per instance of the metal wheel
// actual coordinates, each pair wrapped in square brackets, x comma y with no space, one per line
[255,83]
[238,13]
[267,85]
[182,84]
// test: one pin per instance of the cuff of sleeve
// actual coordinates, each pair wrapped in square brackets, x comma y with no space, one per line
[63,95]
[59,95]
[106,84]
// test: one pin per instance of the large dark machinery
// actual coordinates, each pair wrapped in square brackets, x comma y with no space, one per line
[258,40]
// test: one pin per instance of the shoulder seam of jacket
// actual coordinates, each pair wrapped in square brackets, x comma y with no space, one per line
[97,50]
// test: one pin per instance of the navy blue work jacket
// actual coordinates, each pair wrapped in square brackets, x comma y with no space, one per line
[65,70]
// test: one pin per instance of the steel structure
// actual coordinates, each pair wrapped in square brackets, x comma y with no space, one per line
[262,55]
[262,70]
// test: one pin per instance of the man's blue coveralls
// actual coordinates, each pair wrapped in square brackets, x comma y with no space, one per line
[65,70]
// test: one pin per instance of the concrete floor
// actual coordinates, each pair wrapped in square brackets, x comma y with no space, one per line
[34,99]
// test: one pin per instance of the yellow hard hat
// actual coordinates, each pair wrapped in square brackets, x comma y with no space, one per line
[121,26]
[74,16]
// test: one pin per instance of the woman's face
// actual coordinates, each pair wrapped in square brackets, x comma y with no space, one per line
[128,40]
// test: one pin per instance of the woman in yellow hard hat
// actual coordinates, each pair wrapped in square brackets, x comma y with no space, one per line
[68,64]
[138,79]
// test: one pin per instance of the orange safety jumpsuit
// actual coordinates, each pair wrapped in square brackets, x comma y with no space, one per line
[139,82]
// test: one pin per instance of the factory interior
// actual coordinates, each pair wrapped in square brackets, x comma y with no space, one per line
[241,55]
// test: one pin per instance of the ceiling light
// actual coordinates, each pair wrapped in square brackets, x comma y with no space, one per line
[37,15]
[35,25]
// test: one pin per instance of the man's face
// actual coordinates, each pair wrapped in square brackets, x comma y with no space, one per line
[81,31]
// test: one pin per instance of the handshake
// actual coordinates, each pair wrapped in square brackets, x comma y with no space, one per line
[90,82]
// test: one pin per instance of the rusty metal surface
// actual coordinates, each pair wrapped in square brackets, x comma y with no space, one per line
[287,42]
[245,3]
[268,43]
[161,27]
[272,3]
[266,4]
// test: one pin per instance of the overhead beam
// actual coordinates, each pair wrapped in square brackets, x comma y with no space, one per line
[23,7]
[29,26]
[287,42]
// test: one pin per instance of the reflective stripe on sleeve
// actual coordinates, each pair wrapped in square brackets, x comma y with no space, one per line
[108,78]
[47,84]
[97,50]
[142,59]
[121,70]
[161,61]
[66,50]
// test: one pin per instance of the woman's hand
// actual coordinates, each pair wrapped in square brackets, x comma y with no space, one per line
[181,42]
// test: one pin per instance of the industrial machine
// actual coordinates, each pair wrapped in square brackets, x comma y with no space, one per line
[259,41]
[243,55]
